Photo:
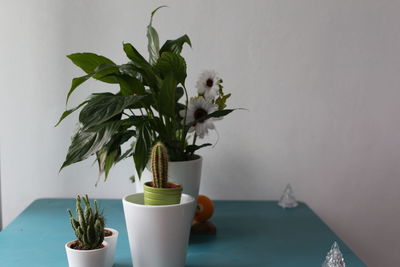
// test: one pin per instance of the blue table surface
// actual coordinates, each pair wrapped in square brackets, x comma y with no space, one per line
[250,233]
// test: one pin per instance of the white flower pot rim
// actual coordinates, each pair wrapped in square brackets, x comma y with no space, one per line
[187,203]
[68,246]
[168,240]
[198,158]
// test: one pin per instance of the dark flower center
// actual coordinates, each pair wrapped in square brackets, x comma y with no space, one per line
[210,82]
[200,113]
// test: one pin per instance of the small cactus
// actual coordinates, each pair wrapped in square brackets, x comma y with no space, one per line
[89,226]
[159,165]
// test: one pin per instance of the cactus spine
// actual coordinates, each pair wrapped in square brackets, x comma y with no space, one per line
[159,165]
[89,225]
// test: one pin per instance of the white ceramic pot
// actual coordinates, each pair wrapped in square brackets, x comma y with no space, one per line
[158,235]
[86,258]
[185,173]
[112,245]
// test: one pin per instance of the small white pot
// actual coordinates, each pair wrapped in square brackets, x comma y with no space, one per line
[86,258]
[112,245]
[185,173]
[158,235]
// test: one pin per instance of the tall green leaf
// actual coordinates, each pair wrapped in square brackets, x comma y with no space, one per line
[153,42]
[142,147]
[142,66]
[106,73]
[68,112]
[175,46]
[167,97]
[129,69]
[102,107]
[106,158]
[135,56]
[118,139]
[75,83]
[128,153]
[110,161]
[130,85]
[170,63]
[88,62]
[111,152]
[86,143]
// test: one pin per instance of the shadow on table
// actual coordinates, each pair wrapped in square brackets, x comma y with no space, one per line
[202,239]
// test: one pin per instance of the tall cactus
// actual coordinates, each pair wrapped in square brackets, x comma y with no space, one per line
[89,225]
[159,165]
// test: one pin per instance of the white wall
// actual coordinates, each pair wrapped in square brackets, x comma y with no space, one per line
[320,79]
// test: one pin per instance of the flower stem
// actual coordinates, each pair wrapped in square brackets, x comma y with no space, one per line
[194,142]
[184,120]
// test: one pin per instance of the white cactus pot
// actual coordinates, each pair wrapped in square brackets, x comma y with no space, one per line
[86,258]
[112,245]
[185,173]
[158,235]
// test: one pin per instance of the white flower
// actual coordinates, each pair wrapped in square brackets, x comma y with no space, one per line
[208,84]
[198,108]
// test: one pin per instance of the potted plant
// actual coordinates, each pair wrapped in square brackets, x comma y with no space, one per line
[158,221]
[160,191]
[152,103]
[90,249]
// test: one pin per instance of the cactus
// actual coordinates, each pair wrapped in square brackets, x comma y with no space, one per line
[159,165]
[89,226]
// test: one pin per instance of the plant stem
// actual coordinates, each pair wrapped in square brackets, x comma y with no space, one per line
[184,119]
[194,142]
[149,113]
[194,139]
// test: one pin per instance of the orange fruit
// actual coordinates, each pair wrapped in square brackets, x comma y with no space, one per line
[204,209]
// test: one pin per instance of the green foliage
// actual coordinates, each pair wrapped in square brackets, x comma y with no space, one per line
[175,46]
[215,114]
[167,97]
[153,42]
[143,111]
[221,101]
[87,142]
[103,107]
[159,165]
[88,225]
[142,146]
[172,64]
[192,148]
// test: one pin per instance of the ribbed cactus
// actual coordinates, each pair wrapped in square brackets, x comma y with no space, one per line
[89,226]
[159,165]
